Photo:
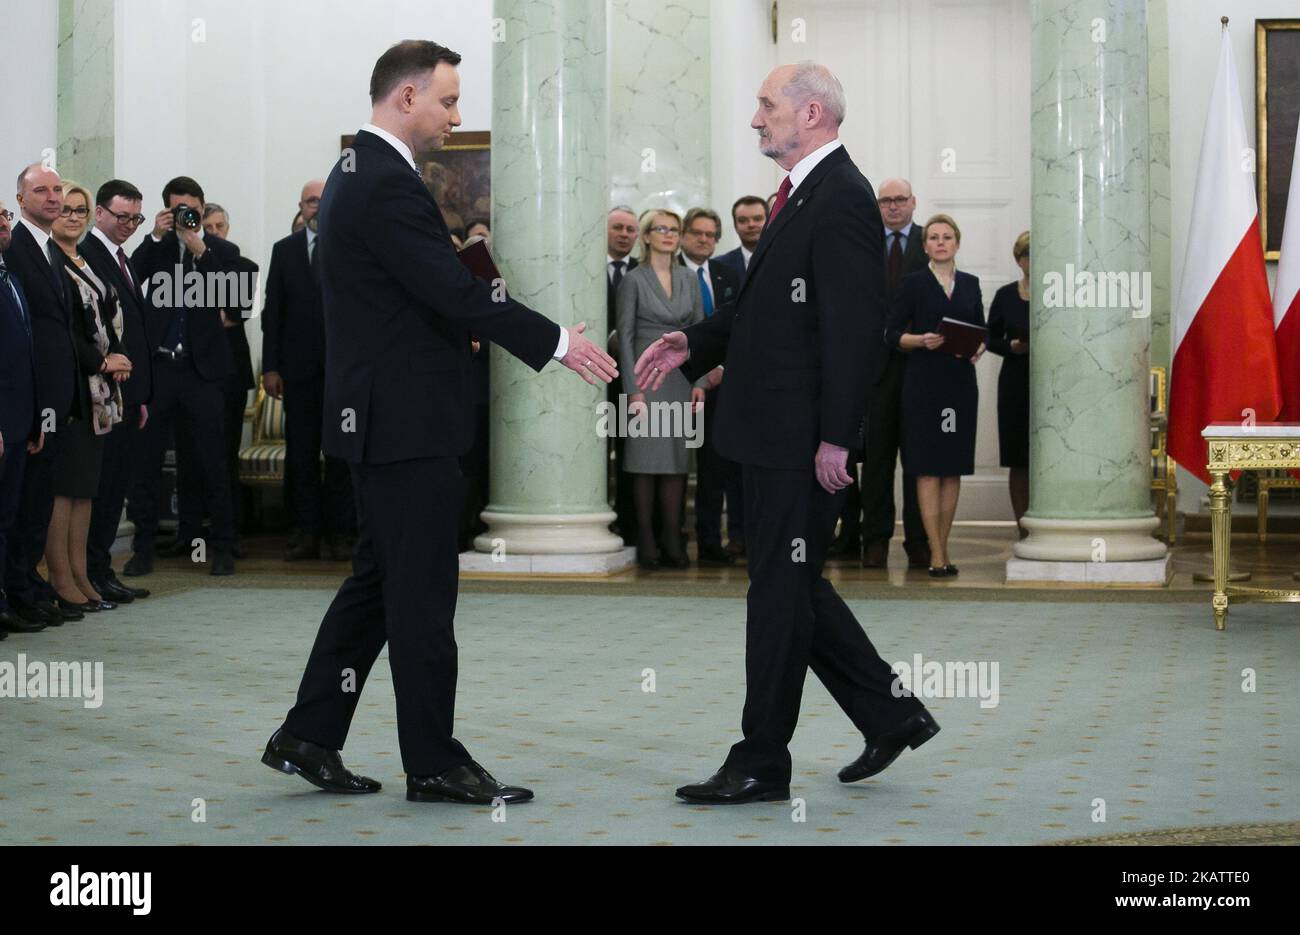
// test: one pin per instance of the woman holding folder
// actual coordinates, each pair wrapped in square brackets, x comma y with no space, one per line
[938,319]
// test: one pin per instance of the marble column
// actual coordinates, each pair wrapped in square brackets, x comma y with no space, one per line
[1090,516]
[1161,286]
[660,117]
[85,91]
[547,508]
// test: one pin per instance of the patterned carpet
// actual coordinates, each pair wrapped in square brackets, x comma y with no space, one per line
[1129,711]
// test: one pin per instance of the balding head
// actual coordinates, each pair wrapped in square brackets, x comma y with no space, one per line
[40,195]
[309,201]
[800,108]
[897,204]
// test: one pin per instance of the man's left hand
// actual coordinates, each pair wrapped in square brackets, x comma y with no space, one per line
[831,465]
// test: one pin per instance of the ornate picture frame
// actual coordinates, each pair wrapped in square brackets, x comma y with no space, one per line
[1277,104]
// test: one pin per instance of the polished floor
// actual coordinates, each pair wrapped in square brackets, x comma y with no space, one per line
[1110,715]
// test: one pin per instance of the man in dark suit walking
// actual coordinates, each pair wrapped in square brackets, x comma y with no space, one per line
[190,365]
[293,369]
[117,216]
[801,346]
[867,520]
[20,427]
[399,311]
[715,476]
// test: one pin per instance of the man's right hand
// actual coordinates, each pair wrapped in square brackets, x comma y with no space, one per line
[661,359]
[163,222]
[273,385]
[587,359]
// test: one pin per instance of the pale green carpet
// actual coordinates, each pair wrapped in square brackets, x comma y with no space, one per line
[1136,704]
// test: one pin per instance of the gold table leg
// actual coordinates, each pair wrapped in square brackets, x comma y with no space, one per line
[1221,536]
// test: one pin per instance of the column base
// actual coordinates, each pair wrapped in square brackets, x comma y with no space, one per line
[517,534]
[569,563]
[1092,541]
[1154,572]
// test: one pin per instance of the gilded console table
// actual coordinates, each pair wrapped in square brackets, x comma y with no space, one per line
[1236,447]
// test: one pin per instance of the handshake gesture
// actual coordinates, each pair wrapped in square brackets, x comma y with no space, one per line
[588,359]
[661,359]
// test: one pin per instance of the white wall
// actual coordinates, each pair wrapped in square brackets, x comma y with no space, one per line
[1193,56]
[257,107]
[28,73]
[742,54]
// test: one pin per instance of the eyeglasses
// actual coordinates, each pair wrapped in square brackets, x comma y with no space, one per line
[895,202]
[313,200]
[662,229]
[67,212]
[7,215]
[134,220]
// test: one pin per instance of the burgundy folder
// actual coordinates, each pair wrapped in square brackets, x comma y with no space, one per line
[478,260]
[961,339]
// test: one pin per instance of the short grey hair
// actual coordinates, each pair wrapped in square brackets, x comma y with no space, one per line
[621,208]
[212,208]
[813,82]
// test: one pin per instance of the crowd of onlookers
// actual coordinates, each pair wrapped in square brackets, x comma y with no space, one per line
[663,276]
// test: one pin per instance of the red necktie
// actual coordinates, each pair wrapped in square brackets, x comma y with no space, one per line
[782,195]
[126,270]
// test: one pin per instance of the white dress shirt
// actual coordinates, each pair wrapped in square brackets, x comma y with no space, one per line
[708,276]
[809,162]
[404,151]
[112,251]
[746,255]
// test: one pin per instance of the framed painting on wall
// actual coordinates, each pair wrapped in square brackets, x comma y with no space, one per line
[459,176]
[1277,106]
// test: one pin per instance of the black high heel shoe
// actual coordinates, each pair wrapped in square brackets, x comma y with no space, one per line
[947,571]
[675,561]
[951,570]
[647,562]
[88,607]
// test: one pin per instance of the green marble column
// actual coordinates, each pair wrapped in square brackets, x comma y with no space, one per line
[85,91]
[660,119]
[547,491]
[1090,348]
[1162,288]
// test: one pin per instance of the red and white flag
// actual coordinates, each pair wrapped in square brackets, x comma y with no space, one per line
[1225,357]
[1286,299]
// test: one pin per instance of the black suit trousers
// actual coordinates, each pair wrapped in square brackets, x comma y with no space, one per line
[402,591]
[795,620]
[25,546]
[196,407]
[316,508]
[121,454]
[715,477]
[12,463]
[884,436]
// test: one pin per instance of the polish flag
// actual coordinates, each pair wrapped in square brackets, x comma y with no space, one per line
[1286,299]
[1225,356]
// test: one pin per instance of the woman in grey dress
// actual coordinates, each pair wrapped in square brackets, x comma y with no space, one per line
[659,296]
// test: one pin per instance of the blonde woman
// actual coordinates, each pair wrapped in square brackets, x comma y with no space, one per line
[98,407]
[940,396]
[658,296]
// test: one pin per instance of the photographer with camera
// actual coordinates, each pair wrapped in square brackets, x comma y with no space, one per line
[190,366]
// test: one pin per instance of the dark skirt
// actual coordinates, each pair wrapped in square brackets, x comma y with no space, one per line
[1013,411]
[940,408]
[77,457]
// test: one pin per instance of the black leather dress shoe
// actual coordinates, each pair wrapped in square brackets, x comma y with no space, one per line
[56,616]
[728,787]
[306,548]
[223,563]
[320,767]
[716,555]
[47,615]
[470,784]
[138,564]
[876,555]
[110,591]
[136,593]
[879,753]
[11,622]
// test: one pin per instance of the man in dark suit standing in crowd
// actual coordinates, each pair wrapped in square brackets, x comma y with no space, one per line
[117,216]
[293,369]
[190,367]
[714,474]
[748,216]
[37,262]
[621,235]
[20,427]
[399,312]
[904,254]
[216,221]
[802,345]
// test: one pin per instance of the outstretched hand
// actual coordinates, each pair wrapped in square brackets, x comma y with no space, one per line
[588,359]
[661,359]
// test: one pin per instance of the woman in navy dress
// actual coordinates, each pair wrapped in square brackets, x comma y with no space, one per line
[940,396]
[1009,337]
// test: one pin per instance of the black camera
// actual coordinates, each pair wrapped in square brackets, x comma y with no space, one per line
[187,217]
